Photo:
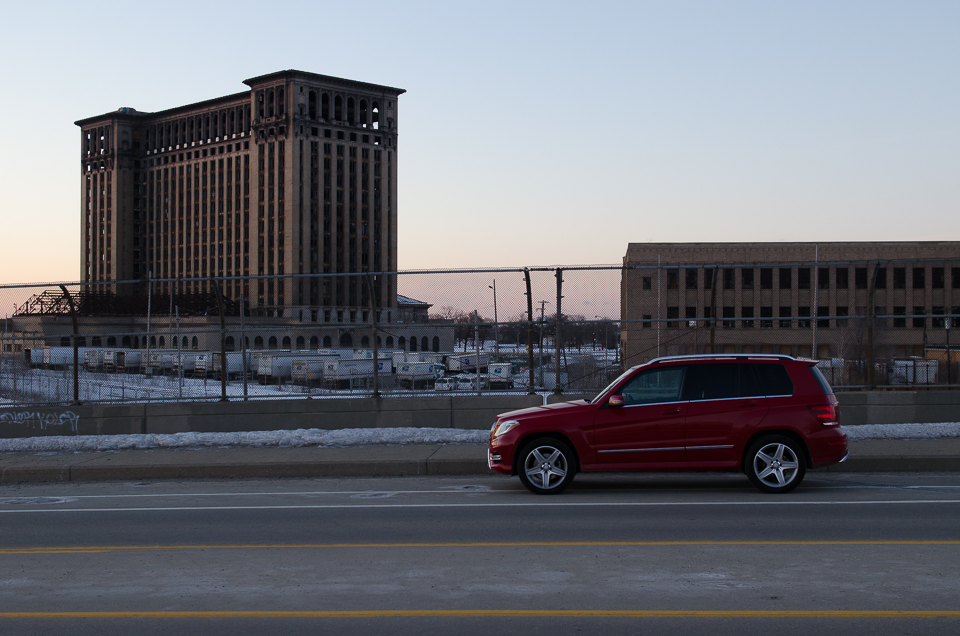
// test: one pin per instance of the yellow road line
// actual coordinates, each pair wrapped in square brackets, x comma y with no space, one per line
[505,614]
[498,544]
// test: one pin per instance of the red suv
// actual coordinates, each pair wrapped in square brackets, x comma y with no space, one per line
[771,417]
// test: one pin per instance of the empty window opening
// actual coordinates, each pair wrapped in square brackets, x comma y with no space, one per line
[346,340]
[338,108]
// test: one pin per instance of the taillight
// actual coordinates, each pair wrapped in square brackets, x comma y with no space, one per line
[825,414]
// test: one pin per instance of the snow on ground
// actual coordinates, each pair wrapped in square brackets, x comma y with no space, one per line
[296,438]
[363,437]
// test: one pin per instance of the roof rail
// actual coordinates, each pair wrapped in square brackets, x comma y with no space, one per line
[723,356]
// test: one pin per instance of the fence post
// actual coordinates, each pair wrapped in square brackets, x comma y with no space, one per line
[526,275]
[870,318]
[223,343]
[76,346]
[557,341]
[373,325]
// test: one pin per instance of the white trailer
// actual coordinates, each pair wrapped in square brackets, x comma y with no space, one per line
[159,362]
[501,375]
[308,370]
[459,362]
[93,359]
[418,375]
[234,364]
[349,374]
[128,361]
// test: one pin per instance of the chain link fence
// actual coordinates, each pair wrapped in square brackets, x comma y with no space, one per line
[565,329]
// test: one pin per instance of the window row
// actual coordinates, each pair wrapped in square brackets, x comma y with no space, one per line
[785,318]
[806,278]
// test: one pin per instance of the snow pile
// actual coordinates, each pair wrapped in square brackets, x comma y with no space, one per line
[902,431]
[255,439]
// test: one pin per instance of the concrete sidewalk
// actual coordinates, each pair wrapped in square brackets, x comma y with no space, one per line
[934,455]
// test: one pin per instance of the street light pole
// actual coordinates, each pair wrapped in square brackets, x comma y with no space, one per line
[496,327]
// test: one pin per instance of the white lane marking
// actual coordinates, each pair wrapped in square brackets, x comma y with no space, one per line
[572,504]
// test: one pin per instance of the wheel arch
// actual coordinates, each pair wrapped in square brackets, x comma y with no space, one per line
[786,432]
[532,435]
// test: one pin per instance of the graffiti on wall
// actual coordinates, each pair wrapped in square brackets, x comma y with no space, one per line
[43,421]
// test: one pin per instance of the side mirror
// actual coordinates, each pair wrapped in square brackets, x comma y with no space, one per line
[616,400]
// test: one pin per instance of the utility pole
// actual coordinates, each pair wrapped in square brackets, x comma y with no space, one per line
[476,342]
[496,327]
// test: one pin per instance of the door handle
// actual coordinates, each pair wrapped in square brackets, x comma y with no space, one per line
[672,411]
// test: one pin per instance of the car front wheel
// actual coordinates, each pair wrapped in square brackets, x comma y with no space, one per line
[775,464]
[546,466]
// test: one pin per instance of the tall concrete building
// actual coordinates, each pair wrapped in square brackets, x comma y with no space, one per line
[801,299]
[297,175]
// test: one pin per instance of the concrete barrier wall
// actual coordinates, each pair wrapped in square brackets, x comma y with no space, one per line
[465,412]
[898,407]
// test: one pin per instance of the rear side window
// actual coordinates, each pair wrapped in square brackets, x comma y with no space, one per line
[774,379]
[712,382]
[822,381]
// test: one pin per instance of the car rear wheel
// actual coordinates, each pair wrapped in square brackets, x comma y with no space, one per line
[547,466]
[776,464]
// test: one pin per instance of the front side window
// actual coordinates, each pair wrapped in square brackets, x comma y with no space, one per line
[654,386]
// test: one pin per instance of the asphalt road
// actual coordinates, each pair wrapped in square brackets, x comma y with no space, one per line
[845,553]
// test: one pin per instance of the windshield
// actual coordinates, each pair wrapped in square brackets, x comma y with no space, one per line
[611,385]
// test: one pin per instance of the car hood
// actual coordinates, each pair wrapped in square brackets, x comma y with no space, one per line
[549,409]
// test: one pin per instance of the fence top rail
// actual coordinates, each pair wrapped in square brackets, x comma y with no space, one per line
[489,270]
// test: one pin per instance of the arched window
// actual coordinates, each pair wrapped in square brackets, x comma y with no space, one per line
[162,342]
[185,344]
[124,342]
[111,341]
[327,342]
[81,341]
[312,107]
[424,344]
[413,343]
[96,341]
[233,122]
[258,342]
[436,344]
[379,341]
[301,343]
[261,113]
[325,106]
[338,108]
[365,341]
[195,343]
[65,341]
[136,343]
[229,343]
[401,343]
[270,103]
[286,342]
[272,342]
[314,342]
[351,110]
[346,340]
[375,115]
[280,108]
[389,342]
[363,113]
[153,342]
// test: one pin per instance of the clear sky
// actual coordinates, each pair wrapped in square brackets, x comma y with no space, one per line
[532,132]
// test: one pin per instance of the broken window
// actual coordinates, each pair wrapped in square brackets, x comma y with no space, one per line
[803,278]
[338,108]
[766,278]
[919,277]
[351,110]
[746,279]
[312,104]
[375,115]
[692,278]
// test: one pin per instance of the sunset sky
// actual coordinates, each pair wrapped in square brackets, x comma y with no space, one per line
[532,133]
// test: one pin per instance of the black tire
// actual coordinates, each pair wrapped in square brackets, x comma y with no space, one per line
[775,463]
[546,466]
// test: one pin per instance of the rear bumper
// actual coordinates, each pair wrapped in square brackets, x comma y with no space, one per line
[828,446]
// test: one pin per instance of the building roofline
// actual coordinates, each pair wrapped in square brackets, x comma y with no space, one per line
[327,79]
[136,115]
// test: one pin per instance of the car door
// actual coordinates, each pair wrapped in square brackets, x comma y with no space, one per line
[726,401]
[648,428]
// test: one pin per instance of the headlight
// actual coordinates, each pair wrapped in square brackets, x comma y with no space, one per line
[505,427]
